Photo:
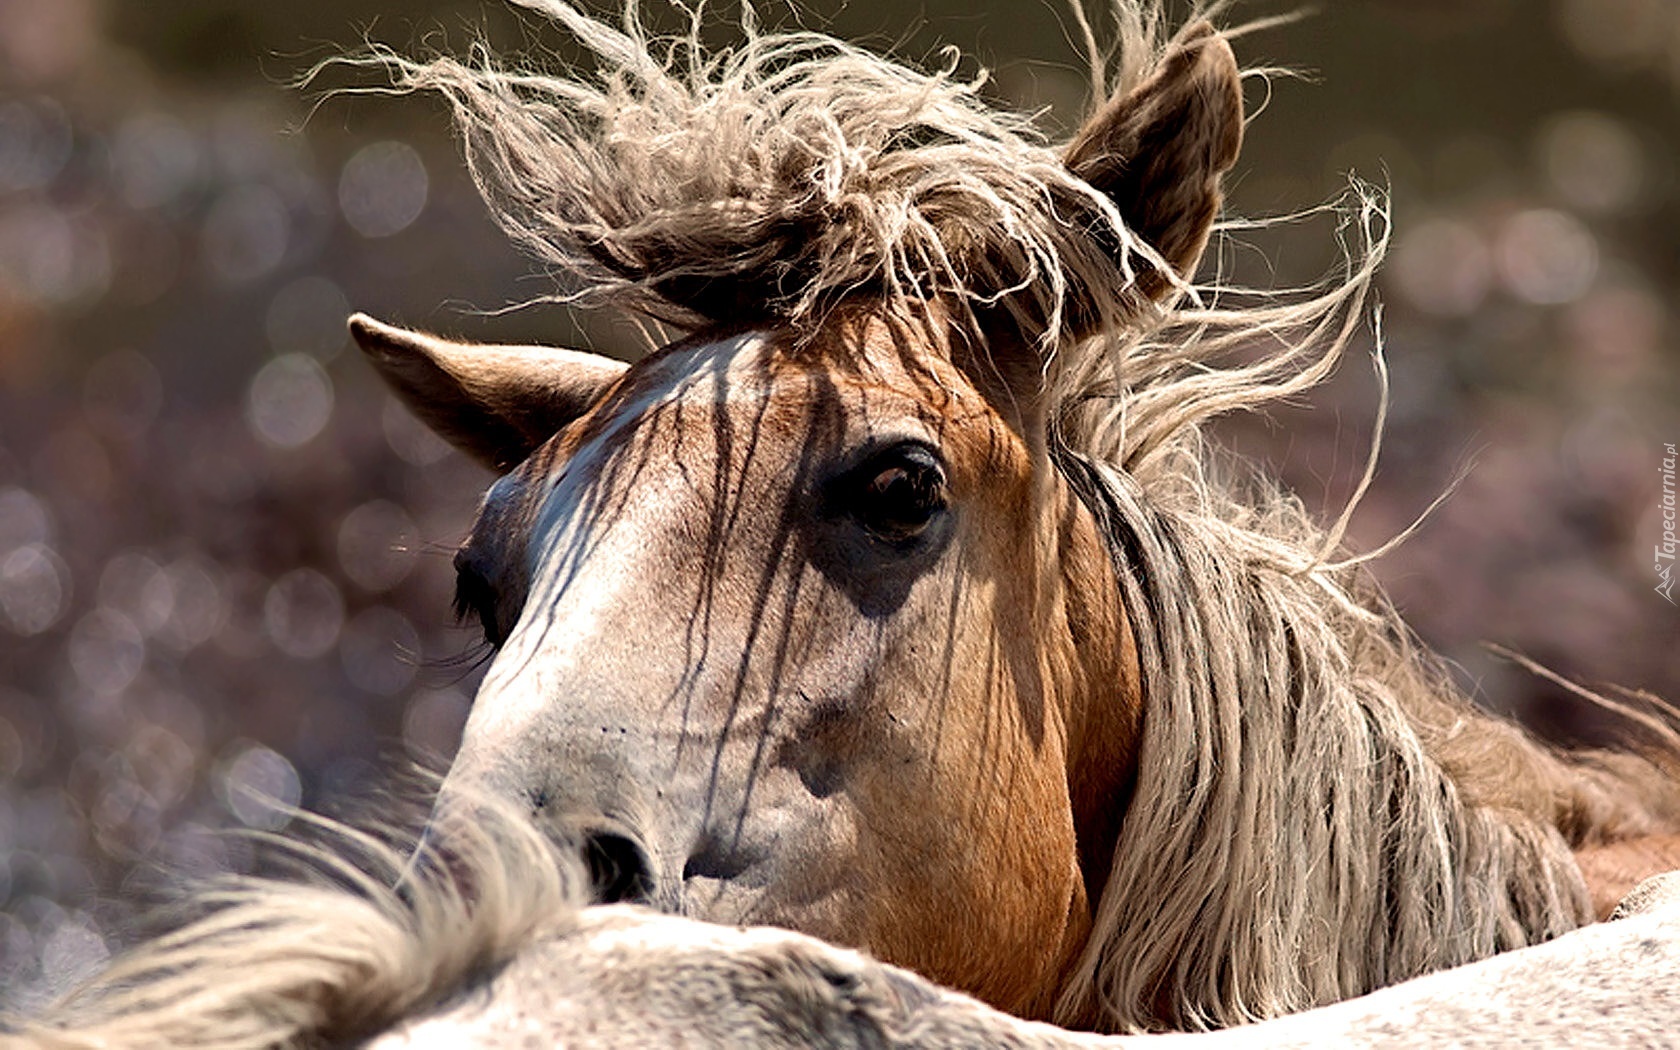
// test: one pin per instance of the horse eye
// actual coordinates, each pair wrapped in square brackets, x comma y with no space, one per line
[901,493]
[475,597]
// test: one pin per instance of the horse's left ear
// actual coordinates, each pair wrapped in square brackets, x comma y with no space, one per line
[1159,150]
[495,403]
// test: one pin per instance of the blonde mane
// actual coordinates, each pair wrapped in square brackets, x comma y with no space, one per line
[765,182]
[1319,809]
[359,938]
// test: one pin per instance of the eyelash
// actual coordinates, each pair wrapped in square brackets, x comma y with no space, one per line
[475,598]
[459,665]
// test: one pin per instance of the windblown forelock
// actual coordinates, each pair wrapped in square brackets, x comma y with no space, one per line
[763,182]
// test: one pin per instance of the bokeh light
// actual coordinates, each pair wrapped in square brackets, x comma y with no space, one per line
[383,189]
[44,40]
[135,585]
[23,519]
[258,786]
[289,401]
[377,545]
[1593,161]
[106,651]
[303,614]
[246,233]
[52,258]
[35,142]
[1617,31]
[1443,267]
[34,589]
[1547,256]
[197,609]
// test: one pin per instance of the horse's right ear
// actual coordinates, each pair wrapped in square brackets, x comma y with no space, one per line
[495,403]
[1159,150]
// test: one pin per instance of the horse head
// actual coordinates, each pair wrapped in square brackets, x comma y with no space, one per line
[797,621]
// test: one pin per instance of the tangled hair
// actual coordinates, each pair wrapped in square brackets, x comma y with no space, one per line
[766,182]
[360,937]
[1319,809]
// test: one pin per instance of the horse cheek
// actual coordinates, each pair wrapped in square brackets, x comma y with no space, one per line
[974,852]
[1025,889]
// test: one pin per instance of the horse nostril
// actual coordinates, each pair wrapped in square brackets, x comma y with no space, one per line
[618,869]
[713,859]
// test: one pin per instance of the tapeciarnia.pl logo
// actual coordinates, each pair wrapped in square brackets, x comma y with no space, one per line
[1665,550]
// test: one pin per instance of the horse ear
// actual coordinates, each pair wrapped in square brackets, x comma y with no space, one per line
[1158,150]
[495,403]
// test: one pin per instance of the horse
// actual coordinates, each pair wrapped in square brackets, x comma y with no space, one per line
[904,600]
[498,949]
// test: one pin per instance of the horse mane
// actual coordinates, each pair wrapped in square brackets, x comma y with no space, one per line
[1299,746]
[1301,749]
[359,936]
[768,181]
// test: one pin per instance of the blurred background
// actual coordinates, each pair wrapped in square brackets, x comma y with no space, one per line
[224,549]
